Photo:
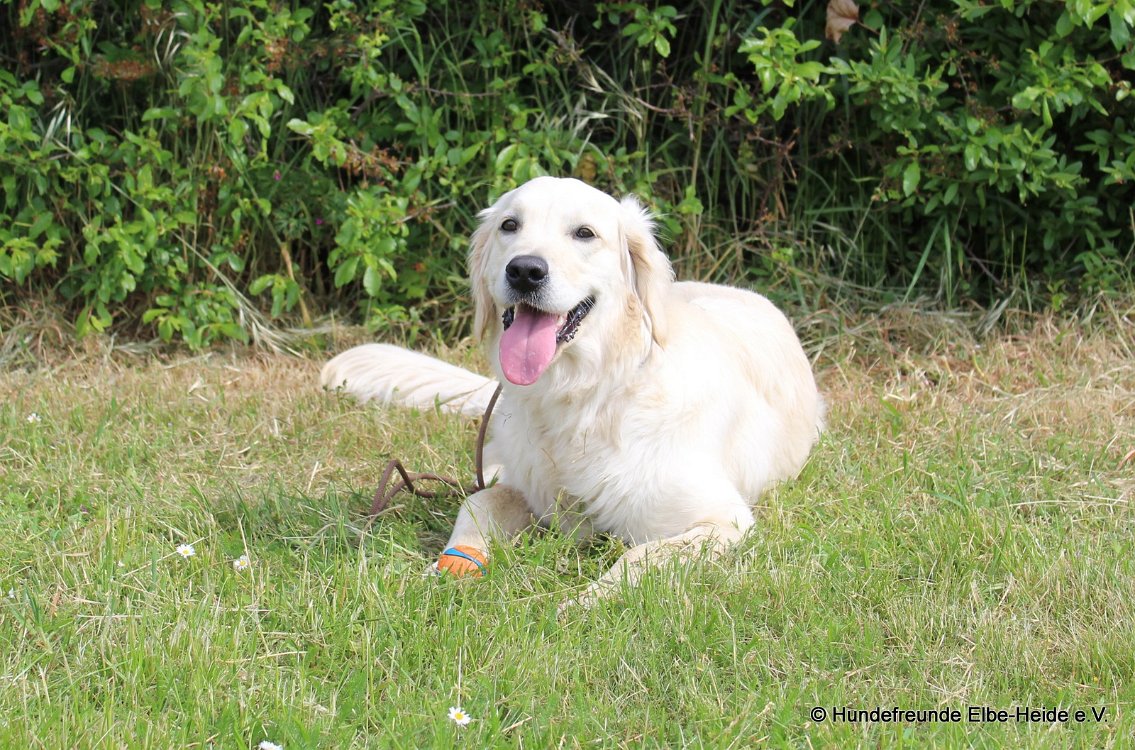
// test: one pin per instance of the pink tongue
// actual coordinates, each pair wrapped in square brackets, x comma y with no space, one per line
[529,344]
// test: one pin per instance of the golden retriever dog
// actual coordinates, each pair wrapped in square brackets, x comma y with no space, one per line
[652,410]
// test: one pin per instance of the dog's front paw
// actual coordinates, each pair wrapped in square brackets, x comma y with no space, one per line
[586,599]
[569,606]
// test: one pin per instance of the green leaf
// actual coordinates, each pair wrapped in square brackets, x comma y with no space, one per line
[1066,24]
[260,284]
[159,113]
[32,92]
[468,154]
[1120,30]
[302,127]
[504,158]
[285,93]
[372,281]
[234,331]
[910,178]
[40,225]
[971,157]
[345,273]
[386,246]
[1024,99]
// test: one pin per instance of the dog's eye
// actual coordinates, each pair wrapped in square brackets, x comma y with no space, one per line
[509,225]
[585,233]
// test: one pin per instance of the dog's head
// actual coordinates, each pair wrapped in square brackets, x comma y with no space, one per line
[555,262]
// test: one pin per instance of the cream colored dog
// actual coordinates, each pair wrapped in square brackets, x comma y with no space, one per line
[653,410]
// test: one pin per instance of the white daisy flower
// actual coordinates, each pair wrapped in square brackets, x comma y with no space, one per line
[33,418]
[242,563]
[186,550]
[458,716]
[266,745]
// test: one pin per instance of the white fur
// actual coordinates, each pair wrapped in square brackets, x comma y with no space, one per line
[673,408]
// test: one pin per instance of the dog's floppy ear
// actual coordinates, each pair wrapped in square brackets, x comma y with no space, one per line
[484,311]
[652,273]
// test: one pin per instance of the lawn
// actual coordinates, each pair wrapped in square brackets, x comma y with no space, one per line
[961,540]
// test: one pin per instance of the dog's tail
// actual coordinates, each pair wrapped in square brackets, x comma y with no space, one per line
[392,374]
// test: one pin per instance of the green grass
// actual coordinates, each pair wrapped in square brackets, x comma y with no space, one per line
[962,537]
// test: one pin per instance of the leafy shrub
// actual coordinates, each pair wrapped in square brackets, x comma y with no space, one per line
[162,163]
[1003,129]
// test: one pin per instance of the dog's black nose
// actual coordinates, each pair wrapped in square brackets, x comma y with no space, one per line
[526,273]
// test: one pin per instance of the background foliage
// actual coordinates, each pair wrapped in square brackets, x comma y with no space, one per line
[193,166]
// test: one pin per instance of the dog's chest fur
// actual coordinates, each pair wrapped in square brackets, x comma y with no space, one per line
[594,461]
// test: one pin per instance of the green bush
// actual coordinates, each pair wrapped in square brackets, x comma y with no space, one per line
[1001,133]
[181,166]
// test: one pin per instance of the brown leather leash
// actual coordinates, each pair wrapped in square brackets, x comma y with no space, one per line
[385,492]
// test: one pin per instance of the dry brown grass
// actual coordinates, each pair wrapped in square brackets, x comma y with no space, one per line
[1047,379]
[1043,381]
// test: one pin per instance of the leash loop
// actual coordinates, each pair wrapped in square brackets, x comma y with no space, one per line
[385,492]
